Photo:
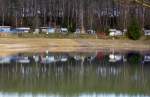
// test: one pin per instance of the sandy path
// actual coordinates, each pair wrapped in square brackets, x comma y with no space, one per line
[42,44]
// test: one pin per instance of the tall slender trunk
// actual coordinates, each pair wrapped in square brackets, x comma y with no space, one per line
[82,17]
[143,15]
[3,17]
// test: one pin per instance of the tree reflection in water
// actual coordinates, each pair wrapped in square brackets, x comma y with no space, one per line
[76,73]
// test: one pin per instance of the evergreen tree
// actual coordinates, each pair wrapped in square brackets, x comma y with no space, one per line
[134,31]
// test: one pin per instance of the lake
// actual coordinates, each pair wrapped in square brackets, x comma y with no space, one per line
[101,73]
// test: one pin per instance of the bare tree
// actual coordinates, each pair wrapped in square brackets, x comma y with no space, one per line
[85,14]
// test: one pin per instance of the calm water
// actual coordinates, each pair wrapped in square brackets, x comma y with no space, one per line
[97,74]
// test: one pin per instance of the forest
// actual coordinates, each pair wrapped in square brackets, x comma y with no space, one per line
[85,14]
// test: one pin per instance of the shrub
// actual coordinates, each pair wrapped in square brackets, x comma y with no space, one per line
[134,31]
[107,31]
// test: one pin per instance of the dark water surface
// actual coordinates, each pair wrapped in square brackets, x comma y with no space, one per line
[75,74]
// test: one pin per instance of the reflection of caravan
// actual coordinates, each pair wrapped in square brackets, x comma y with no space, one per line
[20,59]
[146,58]
[5,60]
[90,58]
[36,58]
[51,59]
[61,58]
[78,57]
[24,60]
[83,56]
[115,57]
[48,59]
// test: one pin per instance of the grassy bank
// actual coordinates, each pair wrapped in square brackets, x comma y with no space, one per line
[55,35]
[16,45]
[61,36]
[68,36]
[90,43]
[68,43]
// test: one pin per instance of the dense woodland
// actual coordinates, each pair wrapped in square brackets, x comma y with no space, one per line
[85,14]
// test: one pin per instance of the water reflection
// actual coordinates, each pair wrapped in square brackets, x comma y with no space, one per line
[76,74]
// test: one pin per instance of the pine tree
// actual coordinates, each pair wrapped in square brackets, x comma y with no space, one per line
[134,31]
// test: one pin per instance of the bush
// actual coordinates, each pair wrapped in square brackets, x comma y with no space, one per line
[107,31]
[134,31]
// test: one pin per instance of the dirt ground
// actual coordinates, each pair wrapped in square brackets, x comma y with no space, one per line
[12,45]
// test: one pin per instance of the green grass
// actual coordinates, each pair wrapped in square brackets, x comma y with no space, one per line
[57,35]
[147,38]
[68,36]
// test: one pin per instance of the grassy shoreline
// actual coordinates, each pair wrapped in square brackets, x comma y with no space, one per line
[68,44]
[10,46]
